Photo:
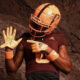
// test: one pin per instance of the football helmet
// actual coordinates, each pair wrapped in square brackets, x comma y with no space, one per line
[44,19]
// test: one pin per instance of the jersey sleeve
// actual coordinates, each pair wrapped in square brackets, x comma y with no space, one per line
[62,40]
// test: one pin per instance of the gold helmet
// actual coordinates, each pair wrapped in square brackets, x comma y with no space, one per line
[44,19]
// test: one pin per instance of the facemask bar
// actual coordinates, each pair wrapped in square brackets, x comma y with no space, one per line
[36,34]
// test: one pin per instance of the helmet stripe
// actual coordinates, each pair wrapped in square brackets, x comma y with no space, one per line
[53,19]
[43,9]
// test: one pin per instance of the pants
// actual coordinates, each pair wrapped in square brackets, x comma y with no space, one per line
[43,75]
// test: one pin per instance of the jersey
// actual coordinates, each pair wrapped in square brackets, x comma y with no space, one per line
[54,40]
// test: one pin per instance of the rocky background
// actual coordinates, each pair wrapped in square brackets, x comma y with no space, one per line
[16,13]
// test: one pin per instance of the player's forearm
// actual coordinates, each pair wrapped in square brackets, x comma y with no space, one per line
[10,65]
[62,63]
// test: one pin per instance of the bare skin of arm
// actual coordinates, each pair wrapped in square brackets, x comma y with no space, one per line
[13,64]
[63,61]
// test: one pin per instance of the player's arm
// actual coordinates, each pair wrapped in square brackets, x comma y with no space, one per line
[60,59]
[12,62]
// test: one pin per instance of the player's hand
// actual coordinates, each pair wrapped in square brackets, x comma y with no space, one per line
[38,46]
[9,38]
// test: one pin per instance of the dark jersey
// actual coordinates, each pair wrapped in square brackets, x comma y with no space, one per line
[54,41]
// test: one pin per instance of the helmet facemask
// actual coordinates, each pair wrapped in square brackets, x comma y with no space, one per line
[38,29]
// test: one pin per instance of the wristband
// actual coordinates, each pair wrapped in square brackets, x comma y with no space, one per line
[54,55]
[9,54]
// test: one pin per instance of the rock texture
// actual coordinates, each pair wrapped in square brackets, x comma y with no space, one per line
[17,12]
